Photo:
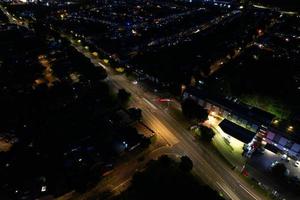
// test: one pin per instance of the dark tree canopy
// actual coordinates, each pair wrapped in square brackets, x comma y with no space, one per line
[206,133]
[279,170]
[165,179]
[123,96]
[192,110]
[186,164]
[135,113]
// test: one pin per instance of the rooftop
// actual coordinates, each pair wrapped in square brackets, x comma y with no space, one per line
[237,131]
[234,105]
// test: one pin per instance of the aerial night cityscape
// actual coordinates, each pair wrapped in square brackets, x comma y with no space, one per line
[150,99]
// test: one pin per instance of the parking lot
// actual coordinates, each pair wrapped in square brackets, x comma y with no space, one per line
[264,161]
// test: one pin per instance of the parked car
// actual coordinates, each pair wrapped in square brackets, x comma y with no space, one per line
[297,163]
[285,157]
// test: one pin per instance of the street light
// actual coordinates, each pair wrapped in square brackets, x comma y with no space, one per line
[276,121]
[290,128]
[44,188]
[183,87]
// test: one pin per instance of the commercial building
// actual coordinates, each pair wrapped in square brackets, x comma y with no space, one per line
[250,125]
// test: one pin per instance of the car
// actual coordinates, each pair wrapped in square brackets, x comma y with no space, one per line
[285,157]
[164,100]
[135,82]
[274,163]
[297,163]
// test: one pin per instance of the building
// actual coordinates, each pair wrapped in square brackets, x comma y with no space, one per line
[282,141]
[250,125]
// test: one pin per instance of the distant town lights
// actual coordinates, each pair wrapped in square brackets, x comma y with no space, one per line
[290,128]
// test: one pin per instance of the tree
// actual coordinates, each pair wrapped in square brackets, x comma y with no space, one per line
[206,133]
[164,160]
[187,108]
[192,110]
[135,113]
[201,113]
[97,73]
[123,96]
[165,179]
[186,164]
[279,170]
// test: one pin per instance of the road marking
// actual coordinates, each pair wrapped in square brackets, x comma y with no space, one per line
[121,184]
[101,65]
[224,190]
[148,102]
[248,191]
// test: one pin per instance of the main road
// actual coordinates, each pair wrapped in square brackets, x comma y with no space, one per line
[207,165]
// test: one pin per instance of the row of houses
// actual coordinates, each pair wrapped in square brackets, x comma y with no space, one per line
[244,122]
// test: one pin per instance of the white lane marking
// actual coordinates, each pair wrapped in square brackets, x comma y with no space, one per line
[123,183]
[101,65]
[248,191]
[148,102]
[224,190]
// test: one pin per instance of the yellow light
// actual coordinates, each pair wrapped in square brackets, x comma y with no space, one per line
[78,41]
[39,81]
[290,128]
[86,47]
[183,87]
[120,69]
[95,54]
[106,61]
